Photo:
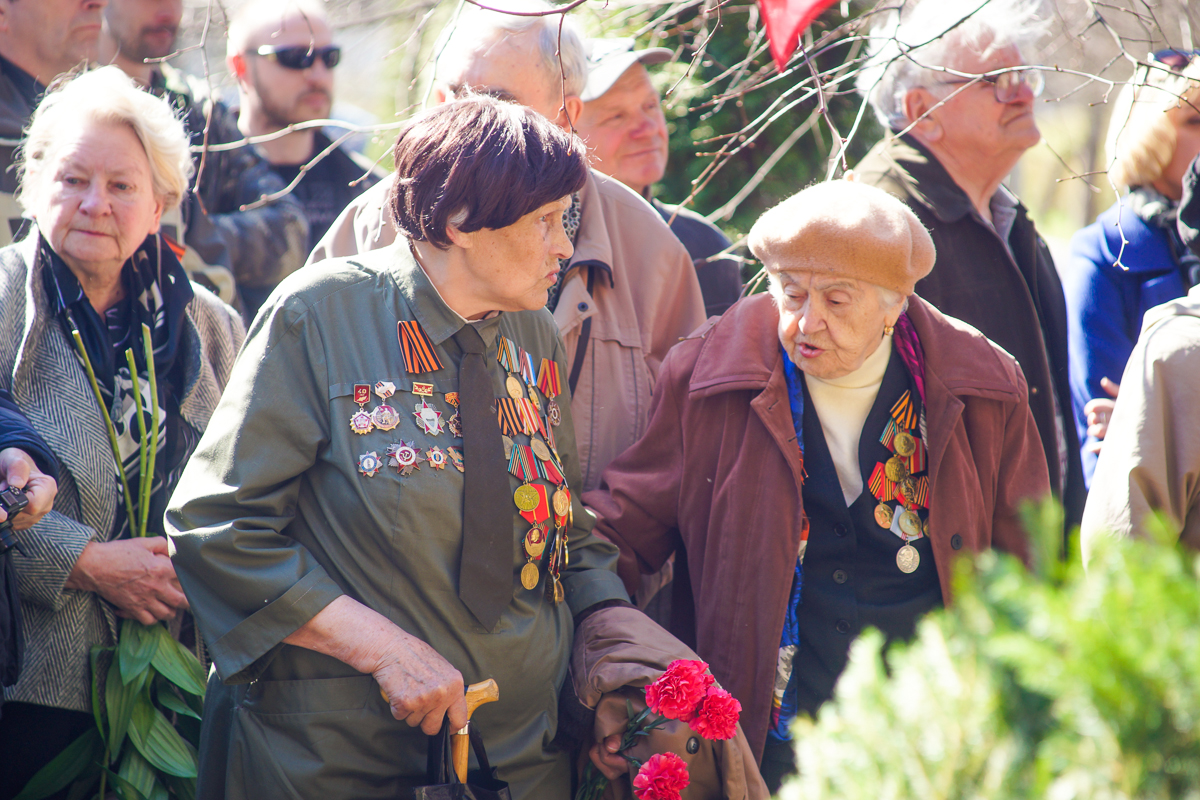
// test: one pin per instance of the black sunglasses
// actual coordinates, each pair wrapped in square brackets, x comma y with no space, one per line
[1175,59]
[302,57]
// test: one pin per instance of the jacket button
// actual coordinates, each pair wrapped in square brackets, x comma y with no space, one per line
[1033,390]
[956,542]
[693,745]
[840,530]
[583,306]
[842,626]
[840,576]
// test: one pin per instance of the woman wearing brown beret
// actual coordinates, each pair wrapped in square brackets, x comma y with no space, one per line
[817,456]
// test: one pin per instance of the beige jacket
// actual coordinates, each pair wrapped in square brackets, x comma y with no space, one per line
[645,297]
[1150,461]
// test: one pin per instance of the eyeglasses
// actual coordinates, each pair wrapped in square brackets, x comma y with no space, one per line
[1175,59]
[1007,85]
[302,57]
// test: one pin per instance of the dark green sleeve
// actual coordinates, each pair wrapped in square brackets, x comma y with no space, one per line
[250,585]
[591,574]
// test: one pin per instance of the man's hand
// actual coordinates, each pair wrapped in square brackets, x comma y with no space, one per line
[421,687]
[18,469]
[1098,412]
[135,575]
[604,756]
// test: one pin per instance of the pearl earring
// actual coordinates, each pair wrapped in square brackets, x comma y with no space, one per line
[888,330]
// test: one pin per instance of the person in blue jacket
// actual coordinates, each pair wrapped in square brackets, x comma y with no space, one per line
[1131,258]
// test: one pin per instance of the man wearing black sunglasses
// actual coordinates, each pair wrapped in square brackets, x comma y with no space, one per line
[283,57]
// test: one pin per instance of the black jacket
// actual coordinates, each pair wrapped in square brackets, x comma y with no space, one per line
[1017,302]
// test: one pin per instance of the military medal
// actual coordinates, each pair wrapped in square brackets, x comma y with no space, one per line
[384,416]
[436,458]
[554,413]
[369,464]
[540,449]
[910,524]
[526,497]
[455,456]
[508,445]
[896,469]
[883,515]
[422,389]
[361,422]
[514,389]
[535,543]
[452,399]
[548,381]
[529,575]
[900,480]
[908,559]
[562,507]
[428,418]
[454,425]
[906,445]
[404,457]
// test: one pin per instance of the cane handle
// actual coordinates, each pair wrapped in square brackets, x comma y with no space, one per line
[477,694]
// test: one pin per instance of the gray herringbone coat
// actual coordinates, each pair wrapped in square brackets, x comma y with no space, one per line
[39,365]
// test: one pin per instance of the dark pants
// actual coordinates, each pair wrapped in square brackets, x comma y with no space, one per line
[30,737]
[778,763]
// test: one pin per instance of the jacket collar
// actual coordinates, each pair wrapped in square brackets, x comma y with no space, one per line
[593,243]
[438,319]
[741,351]
[925,179]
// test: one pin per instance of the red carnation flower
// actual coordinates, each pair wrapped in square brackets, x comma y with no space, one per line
[717,717]
[662,777]
[680,690]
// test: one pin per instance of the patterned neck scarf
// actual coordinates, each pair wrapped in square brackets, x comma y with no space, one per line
[157,292]
[571,222]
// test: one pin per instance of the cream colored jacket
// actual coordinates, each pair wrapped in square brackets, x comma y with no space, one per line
[1150,461]
[645,297]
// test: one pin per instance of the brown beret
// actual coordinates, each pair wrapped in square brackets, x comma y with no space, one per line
[845,228]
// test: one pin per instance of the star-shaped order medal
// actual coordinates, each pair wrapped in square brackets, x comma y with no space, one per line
[404,457]
[369,464]
[429,418]
[436,458]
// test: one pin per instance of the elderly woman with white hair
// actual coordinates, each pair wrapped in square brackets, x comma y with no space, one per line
[817,456]
[101,163]
[1131,258]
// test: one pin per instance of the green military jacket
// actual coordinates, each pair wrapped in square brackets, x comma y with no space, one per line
[273,520]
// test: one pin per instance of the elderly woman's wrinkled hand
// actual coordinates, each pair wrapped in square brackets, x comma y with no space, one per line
[1099,413]
[420,686]
[19,470]
[135,575]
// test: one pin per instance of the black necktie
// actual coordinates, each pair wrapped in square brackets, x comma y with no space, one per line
[485,575]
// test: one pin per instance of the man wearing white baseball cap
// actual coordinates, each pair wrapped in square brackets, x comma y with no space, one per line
[626,132]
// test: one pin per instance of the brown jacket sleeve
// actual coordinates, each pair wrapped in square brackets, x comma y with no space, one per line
[636,506]
[1023,477]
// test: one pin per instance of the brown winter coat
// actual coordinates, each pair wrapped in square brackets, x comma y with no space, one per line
[718,477]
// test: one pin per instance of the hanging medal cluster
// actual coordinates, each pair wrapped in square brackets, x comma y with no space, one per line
[546,508]
[404,456]
[901,484]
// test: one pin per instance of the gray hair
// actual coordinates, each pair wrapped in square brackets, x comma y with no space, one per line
[108,96]
[477,29]
[906,43]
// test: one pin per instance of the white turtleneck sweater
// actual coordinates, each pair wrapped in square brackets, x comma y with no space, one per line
[842,404]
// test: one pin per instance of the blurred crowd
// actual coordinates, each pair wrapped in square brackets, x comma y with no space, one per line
[605,453]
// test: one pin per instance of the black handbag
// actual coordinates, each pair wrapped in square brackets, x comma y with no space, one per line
[482,784]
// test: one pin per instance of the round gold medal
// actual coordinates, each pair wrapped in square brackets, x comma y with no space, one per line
[908,559]
[529,576]
[533,398]
[526,497]
[883,515]
[910,523]
[905,444]
[562,503]
[908,489]
[540,450]
[513,385]
[896,469]
[535,542]
[508,446]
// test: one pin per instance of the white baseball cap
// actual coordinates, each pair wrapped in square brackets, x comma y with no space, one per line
[609,58]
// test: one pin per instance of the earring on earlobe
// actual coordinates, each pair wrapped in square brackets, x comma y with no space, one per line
[888,330]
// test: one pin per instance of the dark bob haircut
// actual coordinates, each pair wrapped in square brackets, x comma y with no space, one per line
[480,163]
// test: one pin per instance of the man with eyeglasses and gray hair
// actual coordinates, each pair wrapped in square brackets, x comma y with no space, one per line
[283,56]
[953,85]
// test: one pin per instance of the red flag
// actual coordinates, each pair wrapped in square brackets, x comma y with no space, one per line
[785,20]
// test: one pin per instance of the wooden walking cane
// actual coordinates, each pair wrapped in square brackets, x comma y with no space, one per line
[460,741]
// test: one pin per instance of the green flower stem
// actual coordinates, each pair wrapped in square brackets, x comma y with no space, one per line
[112,432]
[141,421]
[148,347]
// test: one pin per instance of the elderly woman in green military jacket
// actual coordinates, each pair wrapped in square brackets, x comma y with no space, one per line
[327,531]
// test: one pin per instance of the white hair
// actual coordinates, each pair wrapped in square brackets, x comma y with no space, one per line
[108,96]
[476,30]
[907,41]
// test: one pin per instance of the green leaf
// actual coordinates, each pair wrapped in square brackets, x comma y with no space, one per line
[97,701]
[160,793]
[86,784]
[125,790]
[65,767]
[137,772]
[120,699]
[172,702]
[183,788]
[162,746]
[177,665]
[138,644]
